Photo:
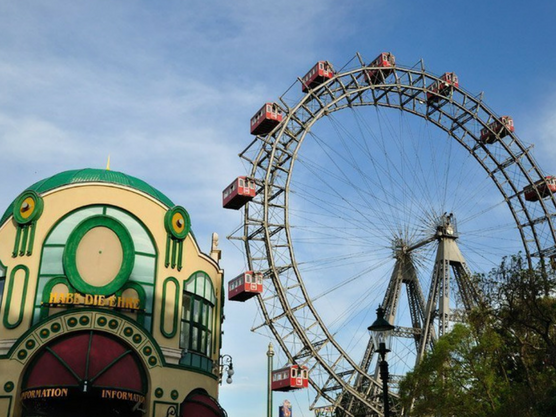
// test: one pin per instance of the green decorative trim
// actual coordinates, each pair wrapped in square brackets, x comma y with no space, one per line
[9,297]
[149,350]
[172,333]
[17,240]
[75,237]
[158,393]
[174,394]
[90,175]
[38,205]
[9,386]
[31,240]
[167,252]
[103,208]
[177,222]
[175,244]
[24,240]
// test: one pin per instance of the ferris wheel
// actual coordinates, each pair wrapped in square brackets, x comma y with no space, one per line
[406,185]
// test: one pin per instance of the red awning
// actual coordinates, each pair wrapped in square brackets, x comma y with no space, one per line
[88,358]
[199,404]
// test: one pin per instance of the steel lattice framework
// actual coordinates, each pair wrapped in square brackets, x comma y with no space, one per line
[286,306]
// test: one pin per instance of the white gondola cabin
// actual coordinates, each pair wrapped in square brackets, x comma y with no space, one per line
[266,119]
[497,129]
[540,189]
[290,378]
[386,62]
[245,286]
[321,72]
[238,193]
[442,87]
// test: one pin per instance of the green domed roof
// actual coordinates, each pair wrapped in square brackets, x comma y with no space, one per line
[80,176]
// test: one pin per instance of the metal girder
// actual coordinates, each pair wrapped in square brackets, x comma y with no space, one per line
[272,162]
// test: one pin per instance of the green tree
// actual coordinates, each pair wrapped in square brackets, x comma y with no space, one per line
[502,362]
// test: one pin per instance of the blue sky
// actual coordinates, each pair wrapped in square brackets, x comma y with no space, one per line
[167,90]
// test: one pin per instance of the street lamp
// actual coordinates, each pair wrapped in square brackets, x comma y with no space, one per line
[225,364]
[381,331]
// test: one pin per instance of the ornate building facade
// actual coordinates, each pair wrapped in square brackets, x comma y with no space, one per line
[107,305]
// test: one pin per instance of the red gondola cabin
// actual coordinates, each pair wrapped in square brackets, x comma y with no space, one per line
[290,378]
[497,129]
[442,87]
[321,72]
[238,193]
[266,119]
[386,62]
[540,189]
[245,286]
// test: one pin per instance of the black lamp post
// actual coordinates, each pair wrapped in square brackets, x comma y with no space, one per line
[225,364]
[382,331]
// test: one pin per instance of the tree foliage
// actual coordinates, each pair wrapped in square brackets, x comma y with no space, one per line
[502,362]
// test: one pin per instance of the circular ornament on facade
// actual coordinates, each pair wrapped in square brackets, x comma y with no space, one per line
[101,321]
[128,331]
[137,338]
[99,256]
[177,222]
[55,327]
[159,392]
[147,350]
[22,354]
[72,322]
[84,320]
[9,386]
[113,324]
[44,333]
[30,344]
[28,207]
[152,360]
[174,394]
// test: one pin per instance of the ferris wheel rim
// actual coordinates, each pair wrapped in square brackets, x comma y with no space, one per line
[275,140]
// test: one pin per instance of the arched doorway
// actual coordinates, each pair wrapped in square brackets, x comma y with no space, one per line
[199,404]
[84,374]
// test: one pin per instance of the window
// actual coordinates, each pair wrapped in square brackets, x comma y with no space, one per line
[197,322]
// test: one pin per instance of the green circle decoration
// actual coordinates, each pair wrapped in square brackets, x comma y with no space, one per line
[159,392]
[152,360]
[101,321]
[137,338]
[128,331]
[55,327]
[72,322]
[177,222]
[28,207]
[9,386]
[22,354]
[174,394]
[113,324]
[147,350]
[84,320]
[44,333]
[70,253]
[30,344]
